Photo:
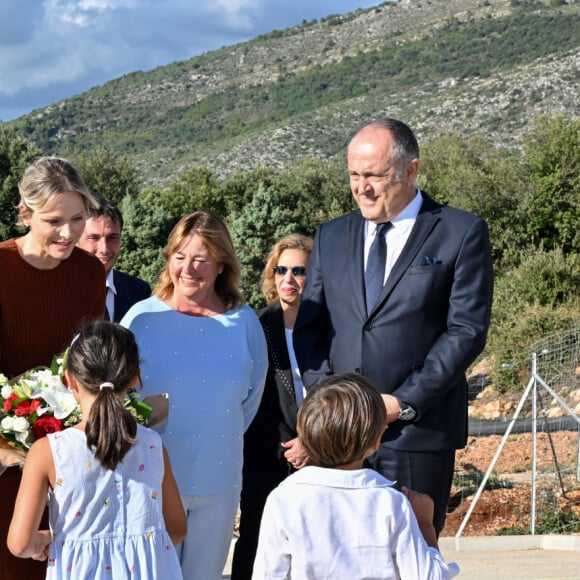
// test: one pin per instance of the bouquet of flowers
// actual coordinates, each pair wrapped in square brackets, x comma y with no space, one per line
[38,403]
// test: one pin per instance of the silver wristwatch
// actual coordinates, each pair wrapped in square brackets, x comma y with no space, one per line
[407,413]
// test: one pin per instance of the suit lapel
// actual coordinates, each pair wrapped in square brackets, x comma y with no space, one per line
[122,297]
[355,241]
[423,227]
[116,297]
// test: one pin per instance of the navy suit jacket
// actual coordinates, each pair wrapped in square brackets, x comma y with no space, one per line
[428,326]
[130,290]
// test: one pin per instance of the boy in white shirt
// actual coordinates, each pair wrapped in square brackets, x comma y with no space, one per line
[335,519]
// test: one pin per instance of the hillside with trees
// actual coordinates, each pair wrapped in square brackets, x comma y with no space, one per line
[473,67]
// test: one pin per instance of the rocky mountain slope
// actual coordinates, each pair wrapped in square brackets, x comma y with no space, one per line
[484,67]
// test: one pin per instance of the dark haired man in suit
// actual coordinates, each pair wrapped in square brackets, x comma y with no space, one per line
[102,238]
[400,291]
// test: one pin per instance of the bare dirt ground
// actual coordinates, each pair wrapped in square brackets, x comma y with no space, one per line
[508,504]
[507,499]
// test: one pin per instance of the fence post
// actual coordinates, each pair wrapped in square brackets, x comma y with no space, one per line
[534,444]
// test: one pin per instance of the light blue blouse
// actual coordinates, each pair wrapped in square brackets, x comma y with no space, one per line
[213,369]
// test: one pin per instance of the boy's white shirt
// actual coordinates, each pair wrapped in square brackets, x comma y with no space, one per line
[336,524]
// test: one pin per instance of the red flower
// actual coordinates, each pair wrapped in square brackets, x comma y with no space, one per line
[27,408]
[46,424]
[8,402]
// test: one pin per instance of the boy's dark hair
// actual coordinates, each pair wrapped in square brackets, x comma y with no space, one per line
[340,419]
[105,352]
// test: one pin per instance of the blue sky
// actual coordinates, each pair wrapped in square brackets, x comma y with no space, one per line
[53,49]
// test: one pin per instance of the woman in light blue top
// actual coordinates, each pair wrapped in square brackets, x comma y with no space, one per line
[204,347]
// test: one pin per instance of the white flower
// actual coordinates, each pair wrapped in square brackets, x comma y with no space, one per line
[21,425]
[44,377]
[24,437]
[6,424]
[7,390]
[3,379]
[15,424]
[58,398]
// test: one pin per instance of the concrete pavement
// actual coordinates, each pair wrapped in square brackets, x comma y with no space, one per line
[554,557]
[514,557]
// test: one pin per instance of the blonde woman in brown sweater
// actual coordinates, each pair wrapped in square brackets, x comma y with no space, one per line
[48,288]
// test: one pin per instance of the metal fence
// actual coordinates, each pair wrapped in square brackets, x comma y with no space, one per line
[555,372]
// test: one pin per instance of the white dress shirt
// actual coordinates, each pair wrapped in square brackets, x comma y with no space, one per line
[338,524]
[397,235]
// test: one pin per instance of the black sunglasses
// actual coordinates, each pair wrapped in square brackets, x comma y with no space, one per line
[296,271]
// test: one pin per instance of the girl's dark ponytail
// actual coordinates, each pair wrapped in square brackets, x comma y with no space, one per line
[104,358]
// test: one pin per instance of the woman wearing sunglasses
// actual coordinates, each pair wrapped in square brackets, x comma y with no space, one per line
[271,447]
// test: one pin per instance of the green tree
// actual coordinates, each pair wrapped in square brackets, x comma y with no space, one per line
[239,188]
[108,175]
[267,204]
[321,189]
[268,217]
[538,297]
[196,189]
[146,229]
[552,205]
[471,174]
[15,154]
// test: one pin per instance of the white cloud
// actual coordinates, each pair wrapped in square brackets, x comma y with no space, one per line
[82,13]
[52,49]
[237,14]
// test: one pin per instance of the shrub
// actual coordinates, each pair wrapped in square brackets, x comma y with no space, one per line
[533,300]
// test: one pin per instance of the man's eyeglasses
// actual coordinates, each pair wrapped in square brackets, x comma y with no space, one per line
[296,270]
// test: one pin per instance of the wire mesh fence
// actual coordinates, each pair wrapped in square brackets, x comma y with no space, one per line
[520,472]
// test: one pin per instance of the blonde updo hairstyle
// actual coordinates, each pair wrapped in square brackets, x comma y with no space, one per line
[46,177]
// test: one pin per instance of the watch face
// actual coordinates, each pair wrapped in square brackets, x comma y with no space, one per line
[407,413]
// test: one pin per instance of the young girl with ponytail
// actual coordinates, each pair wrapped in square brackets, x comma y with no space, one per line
[115,511]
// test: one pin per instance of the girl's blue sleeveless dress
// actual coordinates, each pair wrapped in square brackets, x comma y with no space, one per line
[109,524]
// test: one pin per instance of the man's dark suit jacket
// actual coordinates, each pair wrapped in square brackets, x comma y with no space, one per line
[130,290]
[275,420]
[429,325]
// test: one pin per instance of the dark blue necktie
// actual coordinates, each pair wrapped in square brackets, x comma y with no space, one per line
[375,270]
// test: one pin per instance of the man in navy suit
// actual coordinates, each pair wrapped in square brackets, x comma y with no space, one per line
[102,238]
[427,320]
